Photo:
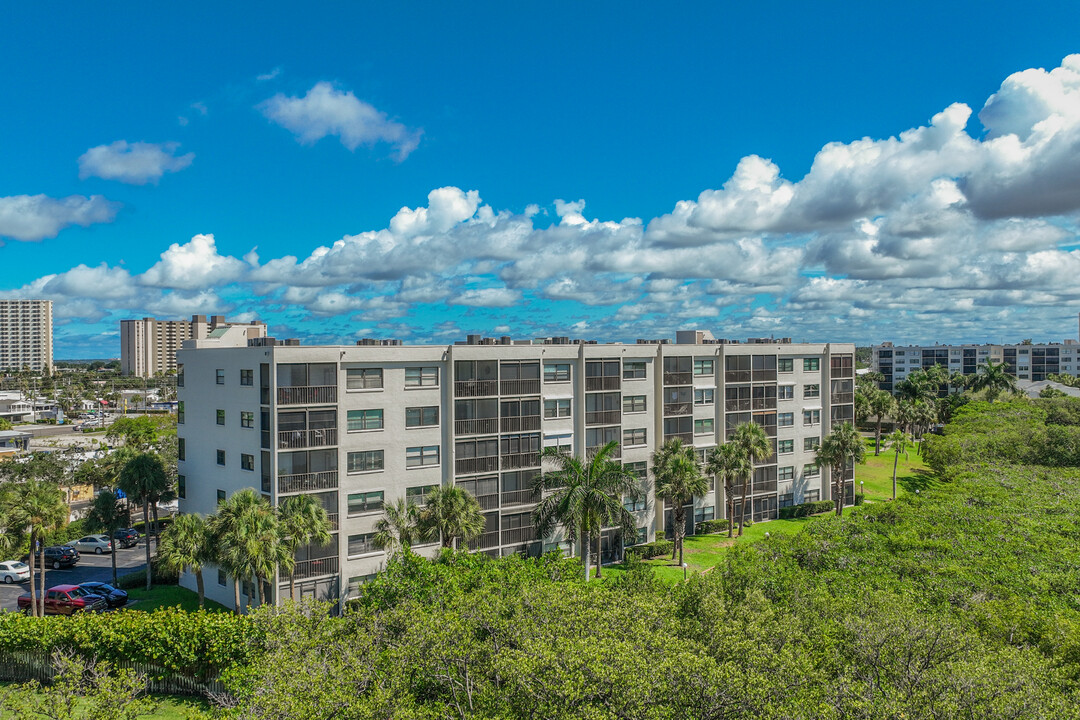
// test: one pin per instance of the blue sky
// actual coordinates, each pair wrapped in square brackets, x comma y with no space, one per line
[608,170]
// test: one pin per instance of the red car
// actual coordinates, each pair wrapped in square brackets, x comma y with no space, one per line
[66,600]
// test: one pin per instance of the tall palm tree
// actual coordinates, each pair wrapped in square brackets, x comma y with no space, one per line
[726,463]
[925,414]
[841,445]
[678,478]
[396,531]
[39,507]
[186,545]
[584,496]
[107,514]
[242,525]
[754,446]
[303,520]
[898,441]
[959,380]
[995,379]
[142,476]
[882,403]
[449,514]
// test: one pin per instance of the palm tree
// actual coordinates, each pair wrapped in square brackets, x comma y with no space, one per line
[143,476]
[838,447]
[882,403]
[38,506]
[898,440]
[186,546]
[925,414]
[396,531]
[451,513]
[959,380]
[728,464]
[246,538]
[994,378]
[754,446]
[303,520]
[584,496]
[678,478]
[107,514]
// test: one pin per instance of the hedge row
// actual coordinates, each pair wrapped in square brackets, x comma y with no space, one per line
[711,526]
[807,508]
[653,549]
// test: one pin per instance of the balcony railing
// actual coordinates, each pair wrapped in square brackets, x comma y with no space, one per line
[476,388]
[607,382]
[314,568]
[678,378]
[764,403]
[520,460]
[519,387]
[519,497]
[736,405]
[476,465]
[843,398]
[603,417]
[616,453]
[679,408]
[297,439]
[488,502]
[687,438]
[332,518]
[479,426]
[307,395]
[521,423]
[518,535]
[736,376]
[307,482]
[486,540]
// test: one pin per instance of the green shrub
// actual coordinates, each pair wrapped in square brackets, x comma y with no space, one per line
[137,579]
[805,509]
[707,527]
[651,550]
[69,533]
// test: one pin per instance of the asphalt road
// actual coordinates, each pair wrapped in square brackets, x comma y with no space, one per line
[89,568]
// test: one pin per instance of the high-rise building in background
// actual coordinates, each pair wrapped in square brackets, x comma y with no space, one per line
[364,425]
[148,346]
[26,335]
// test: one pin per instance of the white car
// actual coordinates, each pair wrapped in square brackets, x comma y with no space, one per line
[14,571]
[96,544]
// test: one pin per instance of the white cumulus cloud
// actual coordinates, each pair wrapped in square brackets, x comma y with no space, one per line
[134,163]
[36,217]
[194,265]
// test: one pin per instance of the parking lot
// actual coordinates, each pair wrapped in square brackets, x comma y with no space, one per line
[89,568]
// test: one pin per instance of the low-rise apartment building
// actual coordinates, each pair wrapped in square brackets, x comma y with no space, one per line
[26,335]
[364,425]
[148,346]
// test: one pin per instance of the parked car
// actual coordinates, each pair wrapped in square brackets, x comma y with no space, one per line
[115,597]
[96,544]
[14,571]
[127,537]
[67,600]
[58,556]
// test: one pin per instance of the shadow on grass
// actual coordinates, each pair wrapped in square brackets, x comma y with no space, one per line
[920,480]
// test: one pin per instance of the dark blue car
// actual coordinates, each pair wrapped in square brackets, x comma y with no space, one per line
[115,597]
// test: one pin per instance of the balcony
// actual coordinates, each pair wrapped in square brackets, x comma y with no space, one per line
[485,541]
[307,395]
[678,378]
[466,466]
[519,497]
[299,439]
[488,502]
[308,482]
[520,460]
[519,387]
[603,417]
[314,568]
[842,398]
[768,403]
[479,426]
[521,423]
[518,535]
[607,382]
[475,388]
[332,518]
[736,376]
[616,453]
[736,405]
[687,438]
[678,408]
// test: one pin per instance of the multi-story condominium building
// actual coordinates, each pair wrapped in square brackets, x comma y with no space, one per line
[148,346]
[26,339]
[362,426]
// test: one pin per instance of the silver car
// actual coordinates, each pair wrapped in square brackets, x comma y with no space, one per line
[96,544]
[14,571]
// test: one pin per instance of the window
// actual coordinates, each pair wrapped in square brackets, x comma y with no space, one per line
[810,364]
[247,462]
[633,403]
[362,544]
[180,413]
[785,446]
[811,471]
[422,416]
[703,367]
[418,495]
[247,377]
[632,505]
[422,456]
[811,391]
[556,372]
[785,392]
[785,473]
[785,419]
[181,449]
[357,580]
[363,378]
[220,496]
[811,417]
[422,377]
[220,417]
[365,419]
[703,426]
[641,469]
[786,500]
[221,577]
[811,495]
[365,502]
[703,514]
[220,457]
[179,376]
[811,443]
[247,419]
[704,396]
[181,486]
[365,461]
[634,436]
[634,369]
[220,376]
[785,365]
[556,408]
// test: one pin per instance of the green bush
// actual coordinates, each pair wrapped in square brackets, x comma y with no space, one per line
[137,579]
[651,550]
[69,533]
[805,509]
[711,526]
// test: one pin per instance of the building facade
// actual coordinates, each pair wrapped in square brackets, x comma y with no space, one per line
[26,339]
[148,346]
[362,426]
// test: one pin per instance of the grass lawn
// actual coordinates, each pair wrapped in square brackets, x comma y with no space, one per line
[171,708]
[160,596]
[876,473]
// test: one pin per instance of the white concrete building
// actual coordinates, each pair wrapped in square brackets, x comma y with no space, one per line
[26,338]
[361,426]
[148,346]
